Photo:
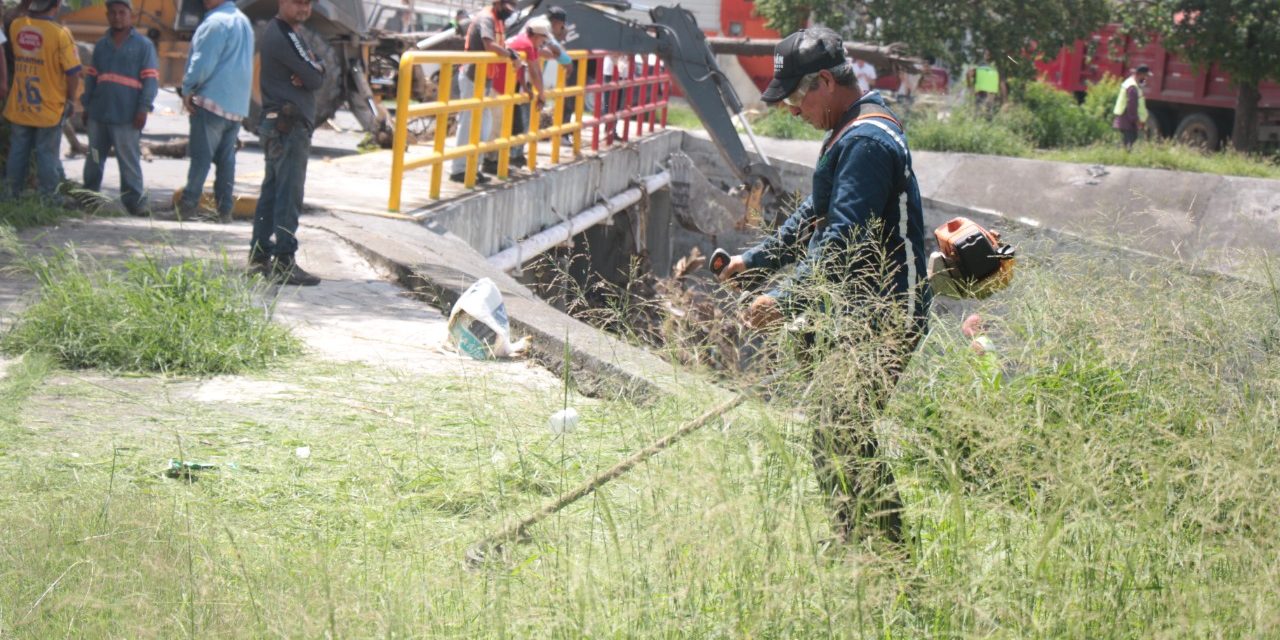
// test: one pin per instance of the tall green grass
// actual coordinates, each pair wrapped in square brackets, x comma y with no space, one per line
[1118,482]
[193,317]
[26,213]
[963,131]
[779,123]
[1169,155]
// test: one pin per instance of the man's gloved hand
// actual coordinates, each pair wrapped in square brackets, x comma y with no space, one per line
[140,120]
[511,53]
[736,265]
[763,312]
[68,110]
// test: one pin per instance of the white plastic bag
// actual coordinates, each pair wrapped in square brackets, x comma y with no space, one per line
[478,324]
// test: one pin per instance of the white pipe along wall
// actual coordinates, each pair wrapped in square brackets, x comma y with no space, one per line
[514,256]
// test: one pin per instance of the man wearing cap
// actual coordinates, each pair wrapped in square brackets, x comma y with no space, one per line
[289,75]
[560,35]
[861,229]
[46,75]
[535,43]
[119,88]
[487,32]
[215,92]
[1131,106]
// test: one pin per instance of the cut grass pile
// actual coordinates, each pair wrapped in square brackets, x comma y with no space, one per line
[192,317]
[1118,482]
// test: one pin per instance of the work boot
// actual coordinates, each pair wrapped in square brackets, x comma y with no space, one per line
[519,161]
[489,166]
[259,264]
[462,177]
[286,271]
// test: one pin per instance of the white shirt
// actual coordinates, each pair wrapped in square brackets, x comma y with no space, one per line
[866,74]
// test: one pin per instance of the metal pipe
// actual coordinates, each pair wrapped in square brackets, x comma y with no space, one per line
[752,136]
[538,243]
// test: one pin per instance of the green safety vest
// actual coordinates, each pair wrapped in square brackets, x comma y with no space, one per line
[1122,100]
[986,79]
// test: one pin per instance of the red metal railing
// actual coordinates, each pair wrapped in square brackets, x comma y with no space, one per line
[624,104]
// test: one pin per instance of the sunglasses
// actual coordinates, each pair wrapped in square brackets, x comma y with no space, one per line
[805,85]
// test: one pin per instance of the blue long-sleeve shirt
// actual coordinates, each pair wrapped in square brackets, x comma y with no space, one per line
[220,70]
[865,198]
[121,82]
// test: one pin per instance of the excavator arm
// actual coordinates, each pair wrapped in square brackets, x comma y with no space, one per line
[674,36]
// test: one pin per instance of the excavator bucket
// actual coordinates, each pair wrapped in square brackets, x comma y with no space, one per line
[699,204]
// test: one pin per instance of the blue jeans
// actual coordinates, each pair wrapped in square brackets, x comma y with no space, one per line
[127,143]
[488,120]
[212,141]
[519,125]
[44,142]
[281,198]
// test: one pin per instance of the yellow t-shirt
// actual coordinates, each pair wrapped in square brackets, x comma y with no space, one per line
[43,54]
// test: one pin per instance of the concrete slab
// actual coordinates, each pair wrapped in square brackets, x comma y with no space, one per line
[440,266]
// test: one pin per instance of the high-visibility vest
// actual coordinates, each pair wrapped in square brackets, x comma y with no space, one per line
[1122,100]
[986,78]
[500,37]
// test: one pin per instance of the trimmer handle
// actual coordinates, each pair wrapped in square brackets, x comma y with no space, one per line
[719,260]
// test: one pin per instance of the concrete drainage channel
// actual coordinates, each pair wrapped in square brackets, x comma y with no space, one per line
[596,219]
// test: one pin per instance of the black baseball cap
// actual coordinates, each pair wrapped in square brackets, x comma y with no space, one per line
[800,54]
[557,13]
[1142,68]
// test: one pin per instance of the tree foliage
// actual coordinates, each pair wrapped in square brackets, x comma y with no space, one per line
[786,16]
[957,30]
[1241,36]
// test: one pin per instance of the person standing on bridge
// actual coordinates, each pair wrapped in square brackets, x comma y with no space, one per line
[860,231]
[535,43]
[215,92]
[1131,106]
[288,77]
[119,88]
[487,32]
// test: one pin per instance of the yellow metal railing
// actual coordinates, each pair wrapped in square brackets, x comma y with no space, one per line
[435,158]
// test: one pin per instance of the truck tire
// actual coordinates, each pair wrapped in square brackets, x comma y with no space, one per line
[1158,126]
[330,94]
[1199,130]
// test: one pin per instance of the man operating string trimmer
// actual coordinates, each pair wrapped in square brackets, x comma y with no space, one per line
[859,242]
[861,235]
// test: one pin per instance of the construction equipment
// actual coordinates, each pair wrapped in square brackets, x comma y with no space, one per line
[971,262]
[336,32]
[674,36]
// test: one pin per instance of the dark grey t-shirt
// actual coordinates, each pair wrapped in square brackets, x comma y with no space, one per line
[482,27]
[284,55]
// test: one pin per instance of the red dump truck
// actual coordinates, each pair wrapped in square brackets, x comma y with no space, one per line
[1194,104]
